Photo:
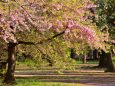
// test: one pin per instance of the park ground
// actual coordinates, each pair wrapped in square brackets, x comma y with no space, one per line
[82,75]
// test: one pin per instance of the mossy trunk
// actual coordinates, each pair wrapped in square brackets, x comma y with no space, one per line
[9,76]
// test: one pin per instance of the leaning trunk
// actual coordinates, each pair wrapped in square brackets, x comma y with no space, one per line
[9,76]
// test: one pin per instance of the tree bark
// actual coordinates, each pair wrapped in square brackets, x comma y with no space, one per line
[9,76]
[102,60]
[110,65]
[106,61]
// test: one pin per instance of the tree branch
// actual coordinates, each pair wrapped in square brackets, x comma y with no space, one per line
[41,42]
[112,42]
[49,39]
[27,43]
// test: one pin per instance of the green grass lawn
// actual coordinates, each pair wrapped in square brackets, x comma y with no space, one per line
[88,62]
[37,83]
[93,61]
[34,82]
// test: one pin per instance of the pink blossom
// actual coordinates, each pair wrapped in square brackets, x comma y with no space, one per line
[67,31]
[71,24]
[57,6]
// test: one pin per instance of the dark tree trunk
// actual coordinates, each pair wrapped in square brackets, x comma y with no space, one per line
[73,54]
[110,65]
[9,76]
[106,61]
[102,60]
[95,54]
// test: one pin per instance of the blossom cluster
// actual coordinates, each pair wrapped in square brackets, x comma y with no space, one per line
[46,15]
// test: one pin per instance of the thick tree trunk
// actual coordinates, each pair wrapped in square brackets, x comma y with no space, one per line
[106,61]
[9,76]
[110,65]
[102,60]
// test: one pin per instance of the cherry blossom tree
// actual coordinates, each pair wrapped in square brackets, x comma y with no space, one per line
[68,18]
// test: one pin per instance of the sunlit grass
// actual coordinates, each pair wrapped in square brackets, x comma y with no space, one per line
[34,82]
[30,82]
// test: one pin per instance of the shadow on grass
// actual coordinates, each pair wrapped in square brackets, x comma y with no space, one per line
[66,81]
[92,67]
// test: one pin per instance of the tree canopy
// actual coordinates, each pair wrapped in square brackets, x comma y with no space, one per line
[67,17]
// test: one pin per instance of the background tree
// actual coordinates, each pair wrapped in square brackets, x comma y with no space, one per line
[105,21]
